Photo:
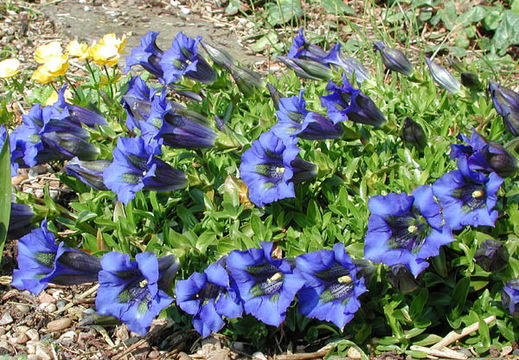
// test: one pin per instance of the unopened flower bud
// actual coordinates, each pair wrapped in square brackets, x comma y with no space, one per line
[247,80]
[510,297]
[443,77]
[471,81]
[394,59]
[412,133]
[506,103]
[307,69]
[401,278]
[219,56]
[492,256]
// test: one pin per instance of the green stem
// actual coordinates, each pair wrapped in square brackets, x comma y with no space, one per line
[109,80]
[72,86]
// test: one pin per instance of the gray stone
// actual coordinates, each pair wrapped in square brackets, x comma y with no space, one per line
[6,319]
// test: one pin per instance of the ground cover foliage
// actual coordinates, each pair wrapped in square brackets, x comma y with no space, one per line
[213,215]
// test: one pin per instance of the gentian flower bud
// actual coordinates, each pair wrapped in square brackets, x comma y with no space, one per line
[500,160]
[394,59]
[275,95]
[247,80]
[20,221]
[349,64]
[401,279]
[471,81]
[506,103]
[307,69]
[443,77]
[412,133]
[492,256]
[510,297]
[68,146]
[219,56]
[89,172]
[168,267]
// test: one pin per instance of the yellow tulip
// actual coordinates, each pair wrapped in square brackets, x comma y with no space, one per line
[45,51]
[9,68]
[76,49]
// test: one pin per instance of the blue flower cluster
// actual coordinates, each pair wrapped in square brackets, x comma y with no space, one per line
[406,230]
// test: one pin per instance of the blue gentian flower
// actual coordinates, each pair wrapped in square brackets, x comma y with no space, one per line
[182,59]
[271,167]
[300,49]
[393,59]
[20,221]
[41,261]
[443,77]
[129,290]
[137,102]
[74,113]
[167,122]
[208,296]
[332,285]
[148,55]
[295,120]
[349,65]
[484,155]
[266,286]
[506,103]
[348,103]
[136,167]
[510,297]
[405,229]
[89,172]
[467,197]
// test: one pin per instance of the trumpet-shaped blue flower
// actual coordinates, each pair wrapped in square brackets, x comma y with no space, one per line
[208,296]
[136,167]
[348,103]
[16,152]
[20,221]
[129,290]
[271,167]
[89,172]
[148,55]
[137,102]
[332,285]
[300,49]
[295,120]
[266,286]
[506,103]
[510,297]
[182,59]
[467,197]
[405,229]
[349,65]
[74,113]
[41,261]
[484,155]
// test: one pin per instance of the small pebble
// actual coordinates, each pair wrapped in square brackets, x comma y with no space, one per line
[68,337]
[44,297]
[2,331]
[24,309]
[32,357]
[59,324]
[33,334]
[155,355]
[185,10]
[354,353]
[182,356]
[48,307]
[6,319]
[22,338]
[259,356]
[4,344]
[30,347]
[61,304]
[42,352]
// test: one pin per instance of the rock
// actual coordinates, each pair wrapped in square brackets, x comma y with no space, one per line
[505,350]
[183,356]
[4,344]
[222,354]
[155,355]
[24,309]
[32,357]
[60,324]
[2,331]
[68,337]
[42,352]
[47,307]
[45,298]
[354,353]
[22,338]
[22,329]
[33,334]
[6,319]
[30,347]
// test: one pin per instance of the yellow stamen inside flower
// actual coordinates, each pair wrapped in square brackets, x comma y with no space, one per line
[143,283]
[275,277]
[412,229]
[478,193]
[345,279]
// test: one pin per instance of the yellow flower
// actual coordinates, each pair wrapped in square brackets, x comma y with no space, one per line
[112,40]
[54,66]
[9,68]
[42,75]
[75,49]
[51,100]
[104,54]
[45,51]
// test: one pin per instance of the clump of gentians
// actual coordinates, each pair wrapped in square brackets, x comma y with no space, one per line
[347,103]
[209,297]
[405,229]
[41,261]
[467,197]
[130,291]
[295,120]
[506,103]
[413,134]
[266,286]
[271,167]
[442,76]
[484,155]
[394,59]
[492,256]
[510,297]
[331,285]
[136,167]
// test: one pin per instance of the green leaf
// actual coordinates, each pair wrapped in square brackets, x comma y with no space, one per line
[507,32]
[5,193]
[282,11]
[336,7]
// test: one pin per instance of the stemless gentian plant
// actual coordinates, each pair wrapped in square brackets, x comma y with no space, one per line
[506,103]
[405,229]
[347,103]
[208,296]
[332,285]
[129,290]
[41,262]
[266,286]
[295,120]
[182,59]
[148,55]
[467,197]
[136,167]
[271,167]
